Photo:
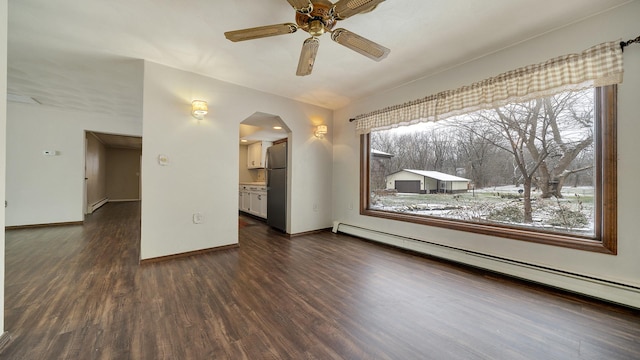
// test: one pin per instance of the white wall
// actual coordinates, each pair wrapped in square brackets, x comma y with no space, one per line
[202,174]
[95,170]
[3,127]
[623,268]
[49,189]
[123,174]
[244,174]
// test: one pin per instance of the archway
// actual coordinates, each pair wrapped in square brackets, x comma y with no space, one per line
[257,133]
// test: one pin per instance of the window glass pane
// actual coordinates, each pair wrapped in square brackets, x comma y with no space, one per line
[529,165]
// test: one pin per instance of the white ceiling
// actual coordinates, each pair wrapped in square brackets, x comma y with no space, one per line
[82,54]
[262,127]
[119,141]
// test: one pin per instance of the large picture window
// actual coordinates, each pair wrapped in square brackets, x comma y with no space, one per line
[543,170]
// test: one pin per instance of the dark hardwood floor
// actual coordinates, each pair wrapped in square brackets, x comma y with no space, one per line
[77,292]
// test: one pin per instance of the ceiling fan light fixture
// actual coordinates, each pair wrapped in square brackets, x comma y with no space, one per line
[308,56]
[316,28]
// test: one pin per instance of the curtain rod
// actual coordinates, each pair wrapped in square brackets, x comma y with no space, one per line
[623,44]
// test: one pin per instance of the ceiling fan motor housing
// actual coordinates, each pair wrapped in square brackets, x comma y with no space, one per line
[319,20]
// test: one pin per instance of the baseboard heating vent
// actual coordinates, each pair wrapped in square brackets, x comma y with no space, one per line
[623,294]
[96,205]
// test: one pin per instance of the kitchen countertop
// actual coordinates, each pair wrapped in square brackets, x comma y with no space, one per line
[257,183]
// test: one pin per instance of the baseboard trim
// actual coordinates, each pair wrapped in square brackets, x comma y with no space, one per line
[4,339]
[242,213]
[31,226]
[308,233]
[96,205]
[623,294]
[187,254]
[122,200]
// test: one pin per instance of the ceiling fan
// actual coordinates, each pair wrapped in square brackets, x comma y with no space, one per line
[317,17]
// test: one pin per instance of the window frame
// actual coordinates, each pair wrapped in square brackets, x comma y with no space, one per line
[605,224]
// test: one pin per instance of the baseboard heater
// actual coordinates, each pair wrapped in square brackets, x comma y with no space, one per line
[602,289]
[96,205]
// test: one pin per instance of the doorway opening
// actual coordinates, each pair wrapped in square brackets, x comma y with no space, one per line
[264,188]
[112,169]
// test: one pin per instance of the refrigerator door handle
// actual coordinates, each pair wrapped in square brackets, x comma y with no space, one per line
[266,158]
[266,167]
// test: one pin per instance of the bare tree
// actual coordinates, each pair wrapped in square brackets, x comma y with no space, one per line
[570,120]
[475,144]
[383,141]
[514,129]
[380,166]
[443,149]
[544,138]
[411,150]
[520,125]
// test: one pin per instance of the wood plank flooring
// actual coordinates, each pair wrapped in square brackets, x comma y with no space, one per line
[77,292]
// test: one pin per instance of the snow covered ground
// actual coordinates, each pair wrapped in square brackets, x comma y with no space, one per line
[503,205]
[566,190]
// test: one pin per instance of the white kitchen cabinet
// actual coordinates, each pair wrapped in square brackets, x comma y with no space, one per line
[256,154]
[246,201]
[259,204]
[263,205]
[253,200]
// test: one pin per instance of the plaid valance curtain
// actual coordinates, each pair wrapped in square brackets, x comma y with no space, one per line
[599,65]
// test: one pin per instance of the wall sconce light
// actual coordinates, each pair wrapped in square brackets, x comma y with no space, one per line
[321,130]
[199,109]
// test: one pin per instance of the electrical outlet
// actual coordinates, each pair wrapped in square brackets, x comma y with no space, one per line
[315,207]
[198,218]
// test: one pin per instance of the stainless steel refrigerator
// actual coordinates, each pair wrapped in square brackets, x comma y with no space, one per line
[277,186]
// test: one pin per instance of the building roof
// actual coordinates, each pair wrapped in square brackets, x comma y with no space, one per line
[379,153]
[434,175]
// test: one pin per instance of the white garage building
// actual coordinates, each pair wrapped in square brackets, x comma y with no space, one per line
[426,182]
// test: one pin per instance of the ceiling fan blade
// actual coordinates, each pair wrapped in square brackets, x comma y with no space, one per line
[260,32]
[308,56]
[302,6]
[346,8]
[359,44]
